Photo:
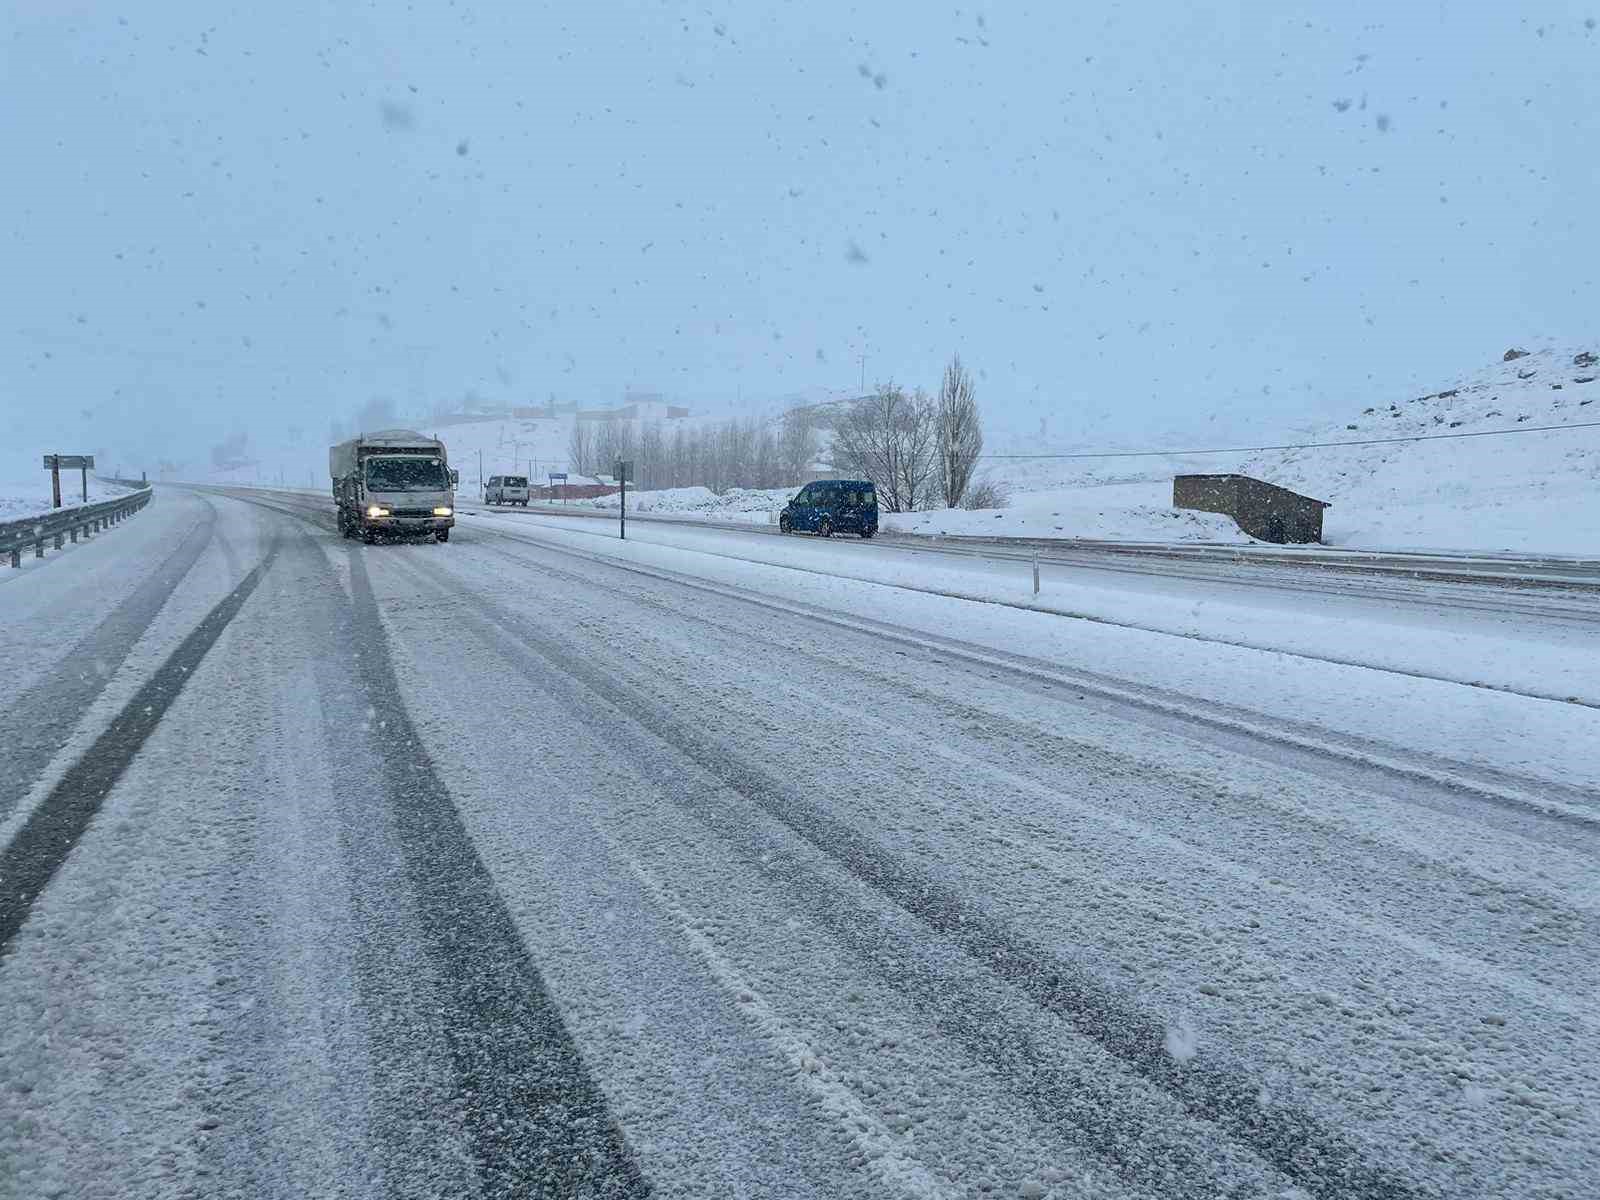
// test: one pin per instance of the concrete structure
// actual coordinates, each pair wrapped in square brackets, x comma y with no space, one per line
[1263,510]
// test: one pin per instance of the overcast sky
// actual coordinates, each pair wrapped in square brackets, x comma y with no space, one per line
[221,217]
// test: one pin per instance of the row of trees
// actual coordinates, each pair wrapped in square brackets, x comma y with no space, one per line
[738,453]
[919,451]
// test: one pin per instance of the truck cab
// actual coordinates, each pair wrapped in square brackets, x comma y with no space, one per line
[392,490]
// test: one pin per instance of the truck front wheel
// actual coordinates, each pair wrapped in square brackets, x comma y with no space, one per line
[443,535]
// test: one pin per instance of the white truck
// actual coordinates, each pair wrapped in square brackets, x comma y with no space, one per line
[393,482]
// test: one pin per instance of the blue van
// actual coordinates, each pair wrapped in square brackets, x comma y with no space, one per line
[831,506]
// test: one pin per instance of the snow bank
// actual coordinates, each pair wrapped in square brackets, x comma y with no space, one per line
[755,505]
[1135,512]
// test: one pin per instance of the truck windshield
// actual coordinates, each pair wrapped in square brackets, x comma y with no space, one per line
[417,474]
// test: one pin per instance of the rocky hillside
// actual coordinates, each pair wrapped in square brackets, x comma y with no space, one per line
[1534,491]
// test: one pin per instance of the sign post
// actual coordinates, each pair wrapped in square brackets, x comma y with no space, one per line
[623,467]
[555,478]
[54,462]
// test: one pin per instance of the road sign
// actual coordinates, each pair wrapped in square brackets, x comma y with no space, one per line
[558,477]
[55,463]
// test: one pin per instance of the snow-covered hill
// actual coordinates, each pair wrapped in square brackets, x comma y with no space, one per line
[1534,491]
[1530,491]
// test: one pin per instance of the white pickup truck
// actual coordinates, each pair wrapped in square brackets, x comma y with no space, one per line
[391,483]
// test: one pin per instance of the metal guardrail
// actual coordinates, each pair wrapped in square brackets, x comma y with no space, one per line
[64,524]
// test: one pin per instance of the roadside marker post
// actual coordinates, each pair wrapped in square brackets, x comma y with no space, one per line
[1035,572]
[623,467]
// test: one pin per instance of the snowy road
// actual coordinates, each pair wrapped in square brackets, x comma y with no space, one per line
[542,864]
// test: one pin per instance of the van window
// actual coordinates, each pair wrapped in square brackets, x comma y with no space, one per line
[516,481]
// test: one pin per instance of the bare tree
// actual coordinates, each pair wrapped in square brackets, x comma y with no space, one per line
[986,493]
[917,458]
[892,439]
[866,443]
[615,440]
[580,448]
[678,472]
[960,439]
[652,468]
[377,413]
[797,446]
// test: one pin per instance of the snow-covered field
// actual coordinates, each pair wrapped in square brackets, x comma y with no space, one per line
[23,495]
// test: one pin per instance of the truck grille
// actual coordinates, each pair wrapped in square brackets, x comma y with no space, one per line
[412,512]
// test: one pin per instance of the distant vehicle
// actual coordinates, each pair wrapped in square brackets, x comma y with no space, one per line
[831,506]
[393,482]
[506,489]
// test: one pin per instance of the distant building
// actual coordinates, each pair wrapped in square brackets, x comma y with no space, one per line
[1263,510]
[640,409]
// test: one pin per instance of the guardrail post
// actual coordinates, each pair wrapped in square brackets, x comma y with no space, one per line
[16,556]
[38,548]
[73,534]
[59,542]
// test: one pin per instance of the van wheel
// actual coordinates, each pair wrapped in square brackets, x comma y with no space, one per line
[825,528]
[784,524]
[866,533]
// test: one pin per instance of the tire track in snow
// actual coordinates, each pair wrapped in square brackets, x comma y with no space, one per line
[43,843]
[979,597]
[537,1122]
[863,1125]
[1441,783]
[36,724]
[1294,1143]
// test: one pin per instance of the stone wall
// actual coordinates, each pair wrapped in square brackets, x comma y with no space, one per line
[1263,510]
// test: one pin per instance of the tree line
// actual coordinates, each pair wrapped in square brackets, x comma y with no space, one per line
[739,453]
[919,451]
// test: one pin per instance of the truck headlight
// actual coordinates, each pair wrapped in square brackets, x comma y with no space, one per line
[443,511]
[374,511]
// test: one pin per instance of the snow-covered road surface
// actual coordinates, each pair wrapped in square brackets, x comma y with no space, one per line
[543,864]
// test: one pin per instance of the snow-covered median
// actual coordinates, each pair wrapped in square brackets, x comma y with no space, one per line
[757,506]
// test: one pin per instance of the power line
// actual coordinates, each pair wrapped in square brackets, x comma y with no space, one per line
[1420,437]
